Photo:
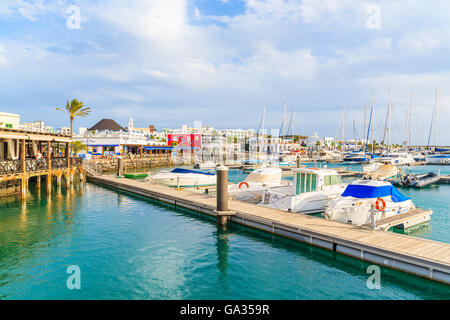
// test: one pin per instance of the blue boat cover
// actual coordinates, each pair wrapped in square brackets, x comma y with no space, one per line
[181,170]
[361,191]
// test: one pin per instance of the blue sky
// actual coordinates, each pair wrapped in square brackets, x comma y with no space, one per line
[174,62]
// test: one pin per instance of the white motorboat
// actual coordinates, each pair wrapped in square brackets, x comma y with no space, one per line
[310,192]
[256,183]
[438,159]
[206,165]
[397,158]
[354,205]
[379,171]
[183,178]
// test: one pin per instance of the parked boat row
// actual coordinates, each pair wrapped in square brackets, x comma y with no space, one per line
[313,190]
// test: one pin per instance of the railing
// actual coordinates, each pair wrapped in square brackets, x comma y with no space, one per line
[36,165]
[75,162]
[8,167]
[59,163]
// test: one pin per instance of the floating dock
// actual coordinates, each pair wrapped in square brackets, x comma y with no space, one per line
[422,257]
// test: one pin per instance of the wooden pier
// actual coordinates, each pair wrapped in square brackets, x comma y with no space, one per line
[403,220]
[422,257]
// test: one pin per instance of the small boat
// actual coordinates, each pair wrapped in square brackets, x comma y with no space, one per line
[397,158]
[419,180]
[354,205]
[378,171]
[135,175]
[182,178]
[206,165]
[256,183]
[438,159]
[310,192]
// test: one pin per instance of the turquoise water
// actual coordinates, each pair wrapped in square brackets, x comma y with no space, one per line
[129,247]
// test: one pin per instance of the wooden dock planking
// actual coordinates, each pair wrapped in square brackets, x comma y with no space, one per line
[419,253]
[399,219]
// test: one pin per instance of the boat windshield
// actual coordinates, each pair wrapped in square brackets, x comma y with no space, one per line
[362,191]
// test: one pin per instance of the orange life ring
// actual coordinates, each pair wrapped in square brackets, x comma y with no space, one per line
[380,204]
[243,183]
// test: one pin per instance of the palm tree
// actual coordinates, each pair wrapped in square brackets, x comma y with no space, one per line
[78,146]
[75,109]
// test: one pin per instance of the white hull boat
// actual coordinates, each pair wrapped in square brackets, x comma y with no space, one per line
[354,205]
[397,158]
[256,183]
[206,165]
[183,178]
[310,192]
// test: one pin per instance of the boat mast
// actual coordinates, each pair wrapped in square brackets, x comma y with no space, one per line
[343,125]
[410,119]
[371,117]
[435,118]
[368,132]
[365,111]
[387,123]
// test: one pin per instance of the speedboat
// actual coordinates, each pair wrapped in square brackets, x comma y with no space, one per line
[355,156]
[182,178]
[379,171]
[310,192]
[397,158]
[256,183]
[438,159]
[418,180]
[354,205]
[206,165]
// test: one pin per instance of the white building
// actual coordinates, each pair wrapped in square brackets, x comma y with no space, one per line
[9,120]
[37,126]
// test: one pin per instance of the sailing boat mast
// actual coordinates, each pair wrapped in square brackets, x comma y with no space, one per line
[387,124]
[410,119]
[372,116]
[365,112]
[343,125]
[291,127]
[435,118]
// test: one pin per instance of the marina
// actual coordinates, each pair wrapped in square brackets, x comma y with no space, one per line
[407,254]
[234,151]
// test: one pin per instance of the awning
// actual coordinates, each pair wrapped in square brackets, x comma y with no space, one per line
[4,135]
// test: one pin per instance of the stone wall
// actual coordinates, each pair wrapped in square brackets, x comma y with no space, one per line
[129,162]
[9,187]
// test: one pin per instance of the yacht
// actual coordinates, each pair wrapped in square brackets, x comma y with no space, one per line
[181,178]
[206,165]
[256,183]
[309,193]
[354,205]
[397,158]
[438,159]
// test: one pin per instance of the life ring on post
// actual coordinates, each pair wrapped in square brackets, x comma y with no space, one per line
[243,184]
[380,204]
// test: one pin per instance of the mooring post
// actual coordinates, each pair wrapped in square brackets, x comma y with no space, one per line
[119,166]
[372,217]
[222,210]
[298,161]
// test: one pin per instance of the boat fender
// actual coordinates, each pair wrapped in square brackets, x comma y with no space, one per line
[380,204]
[242,184]
[329,214]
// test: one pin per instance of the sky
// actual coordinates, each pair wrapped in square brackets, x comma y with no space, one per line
[221,62]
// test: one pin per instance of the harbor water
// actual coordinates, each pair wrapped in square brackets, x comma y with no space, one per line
[130,247]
